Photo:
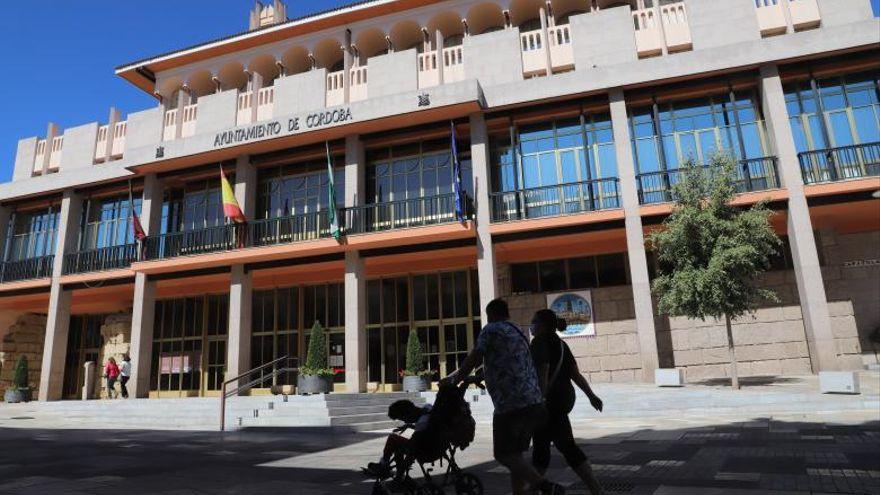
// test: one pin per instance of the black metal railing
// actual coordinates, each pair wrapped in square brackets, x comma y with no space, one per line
[754,174]
[559,199]
[27,269]
[416,212]
[292,228]
[846,162]
[202,241]
[100,259]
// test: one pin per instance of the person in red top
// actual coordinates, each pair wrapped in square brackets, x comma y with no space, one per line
[111,372]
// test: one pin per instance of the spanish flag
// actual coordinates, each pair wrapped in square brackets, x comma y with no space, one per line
[231,210]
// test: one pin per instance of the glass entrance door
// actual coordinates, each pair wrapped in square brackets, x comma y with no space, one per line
[84,342]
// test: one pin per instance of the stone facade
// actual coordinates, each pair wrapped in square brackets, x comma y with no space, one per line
[851,272]
[25,337]
[116,332]
[613,354]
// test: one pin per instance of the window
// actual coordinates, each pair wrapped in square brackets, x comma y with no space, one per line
[415,171]
[33,235]
[574,273]
[298,189]
[107,222]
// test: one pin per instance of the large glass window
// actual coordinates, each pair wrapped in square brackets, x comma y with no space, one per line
[282,319]
[415,171]
[107,222]
[442,307]
[834,112]
[297,189]
[189,345]
[565,274]
[84,342]
[32,235]
[666,136]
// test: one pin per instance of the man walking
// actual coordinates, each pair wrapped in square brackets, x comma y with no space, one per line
[125,375]
[513,386]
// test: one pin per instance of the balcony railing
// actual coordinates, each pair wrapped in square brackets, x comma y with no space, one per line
[291,228]
[847,162]
[100,259]
[755,174]
[416,212]
[358,79]
[27,269]
[560,199]
[335,88]
[190,242]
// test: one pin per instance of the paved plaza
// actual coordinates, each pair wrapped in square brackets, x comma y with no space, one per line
[792,454]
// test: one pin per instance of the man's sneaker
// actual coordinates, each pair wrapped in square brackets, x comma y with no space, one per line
[550,488]
[379,470]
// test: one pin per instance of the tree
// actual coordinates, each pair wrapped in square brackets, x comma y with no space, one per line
[710,253]
[415,359]
[20,376]
[316,357]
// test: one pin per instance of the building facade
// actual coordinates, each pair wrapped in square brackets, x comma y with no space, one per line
[570,119]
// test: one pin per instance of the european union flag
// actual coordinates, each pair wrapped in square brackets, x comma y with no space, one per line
[456,179]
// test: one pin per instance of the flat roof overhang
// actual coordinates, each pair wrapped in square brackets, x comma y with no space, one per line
[367,126]
[141,73]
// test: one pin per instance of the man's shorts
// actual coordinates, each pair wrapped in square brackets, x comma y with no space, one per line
[512,431]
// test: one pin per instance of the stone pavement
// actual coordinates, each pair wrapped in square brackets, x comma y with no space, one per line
[778,454]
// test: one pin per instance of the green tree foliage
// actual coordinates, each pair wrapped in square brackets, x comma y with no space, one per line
[20,376]
[316,357]
[711,253]
[415,359]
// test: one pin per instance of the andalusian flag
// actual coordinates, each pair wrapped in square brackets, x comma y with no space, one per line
[136,226]
[231,210]
[332,214]
[456,179]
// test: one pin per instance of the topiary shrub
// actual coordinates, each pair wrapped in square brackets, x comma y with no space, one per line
[316,357]
[20,377]
[415,359]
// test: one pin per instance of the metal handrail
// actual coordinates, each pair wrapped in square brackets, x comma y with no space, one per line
[556,199]
[750,174]
[224,394]
[844,162]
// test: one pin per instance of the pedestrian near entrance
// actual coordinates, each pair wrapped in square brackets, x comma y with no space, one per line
[124,375]
[111,373]
[513,386]
[557,368]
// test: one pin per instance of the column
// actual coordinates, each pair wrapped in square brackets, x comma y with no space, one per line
[58,319]
[51,132]
[441,67]
[480,165]
[144,303]
[635,240]
[346,67]
[182,101]
[355,282]
[255,87]
[545,36]
[238,347]
[114,117]
[808,273]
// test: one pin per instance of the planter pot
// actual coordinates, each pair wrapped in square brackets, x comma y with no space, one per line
[14,396]
[314,384]
[415,384]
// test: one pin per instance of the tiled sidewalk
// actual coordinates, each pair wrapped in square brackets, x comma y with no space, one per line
[812,453]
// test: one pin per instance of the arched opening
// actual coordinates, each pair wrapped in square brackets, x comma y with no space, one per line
[265,66]
[201,83]
[526,14]
[328,54]
[610,4]
[449,24]
[370,43]
[232,76]
[296,60]
[564,9]
[168,89]
[485,18]
[406,35]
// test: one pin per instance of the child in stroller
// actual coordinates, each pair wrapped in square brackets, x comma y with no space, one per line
[439,431]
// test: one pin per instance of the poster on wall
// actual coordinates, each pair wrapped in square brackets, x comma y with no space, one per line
[577,310]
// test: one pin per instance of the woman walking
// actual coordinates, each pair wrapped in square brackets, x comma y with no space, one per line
[111,372]
[556,369]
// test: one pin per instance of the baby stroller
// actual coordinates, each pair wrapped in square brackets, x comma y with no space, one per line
[451,428]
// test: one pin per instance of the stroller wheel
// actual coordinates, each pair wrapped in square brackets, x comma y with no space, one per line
[468,484]
[428,489]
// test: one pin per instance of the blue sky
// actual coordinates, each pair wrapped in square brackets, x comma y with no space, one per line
[60,55]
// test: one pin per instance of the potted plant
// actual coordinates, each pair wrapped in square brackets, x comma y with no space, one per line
[19,391]
[415,376]
[315,377]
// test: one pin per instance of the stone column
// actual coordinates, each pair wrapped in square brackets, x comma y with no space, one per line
[144,303]
[481,167]
[238,348]
[182,101]
[346,67]
[635,239]
[58,319]
[112,119]
[51,132]
[545,35]
[355,283]
[808,273]
[256,86]
[441,67]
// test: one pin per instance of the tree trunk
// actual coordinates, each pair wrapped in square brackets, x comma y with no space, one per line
[734,378]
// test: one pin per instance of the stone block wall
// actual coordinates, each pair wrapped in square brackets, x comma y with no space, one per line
[613,354]
[851,273]
[24,337]
[116,332]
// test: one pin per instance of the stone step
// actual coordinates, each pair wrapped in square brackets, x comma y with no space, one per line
[359,418]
